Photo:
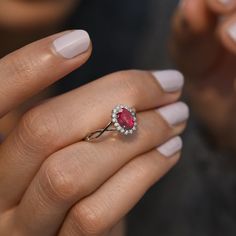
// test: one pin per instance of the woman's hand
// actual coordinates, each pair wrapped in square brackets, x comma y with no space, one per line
[54,183]
[204,46]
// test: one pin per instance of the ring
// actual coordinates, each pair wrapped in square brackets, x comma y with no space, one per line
[123,120]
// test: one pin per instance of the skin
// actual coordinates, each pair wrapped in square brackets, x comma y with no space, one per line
[206,54]
[30,14]
[42,160]
[24,21]
[76,187]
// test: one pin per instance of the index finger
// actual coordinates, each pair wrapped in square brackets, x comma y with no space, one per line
[29,70]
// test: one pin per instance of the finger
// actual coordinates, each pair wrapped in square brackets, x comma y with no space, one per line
[36,66]
[29,14]
[222,6]
[91,164]
[227,33]
[96,214]
[193,17]
[194,23]
[70,117]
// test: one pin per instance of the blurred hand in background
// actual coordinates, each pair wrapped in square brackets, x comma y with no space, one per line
[204,47]
[24,21]
[28,14]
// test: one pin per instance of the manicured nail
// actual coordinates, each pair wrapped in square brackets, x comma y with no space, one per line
[169,80]
[232,32]
[72,44]
[225,2]
[175,113]
[171,147]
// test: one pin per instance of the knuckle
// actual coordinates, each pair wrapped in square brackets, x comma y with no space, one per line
[40,128]
[132,83]
[141,171]
[62,182]
[88,220]
[149,125]
[58,184]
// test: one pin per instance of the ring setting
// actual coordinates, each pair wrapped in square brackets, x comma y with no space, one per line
[123,121]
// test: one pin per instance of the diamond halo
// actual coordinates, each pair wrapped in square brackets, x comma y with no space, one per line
[124,119]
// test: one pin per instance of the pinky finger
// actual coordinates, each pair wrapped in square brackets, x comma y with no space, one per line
[99,212]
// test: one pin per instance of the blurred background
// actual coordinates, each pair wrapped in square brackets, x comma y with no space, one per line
[125,34]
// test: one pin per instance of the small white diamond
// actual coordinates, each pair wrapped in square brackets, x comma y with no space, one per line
[114,115]
[116,124]
[134,128]
[131,131]
[119,128]
[126,132]
[122,130]
[113,120]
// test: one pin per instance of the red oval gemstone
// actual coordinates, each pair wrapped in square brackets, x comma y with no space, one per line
[125,119]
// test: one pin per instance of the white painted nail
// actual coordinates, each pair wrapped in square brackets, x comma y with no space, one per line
[175,113]
[72,44]
[171,147]
[232,32]
[169,80]
[225,2]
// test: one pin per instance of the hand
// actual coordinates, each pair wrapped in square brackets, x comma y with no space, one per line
[28,14]
[204,47]
[54,183]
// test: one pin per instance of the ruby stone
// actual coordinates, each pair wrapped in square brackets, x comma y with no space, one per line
[125,119]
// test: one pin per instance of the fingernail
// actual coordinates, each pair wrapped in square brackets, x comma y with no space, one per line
[169,80]
[225,2]
[232,32]
[72,44]
[174,114]
[171,147]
